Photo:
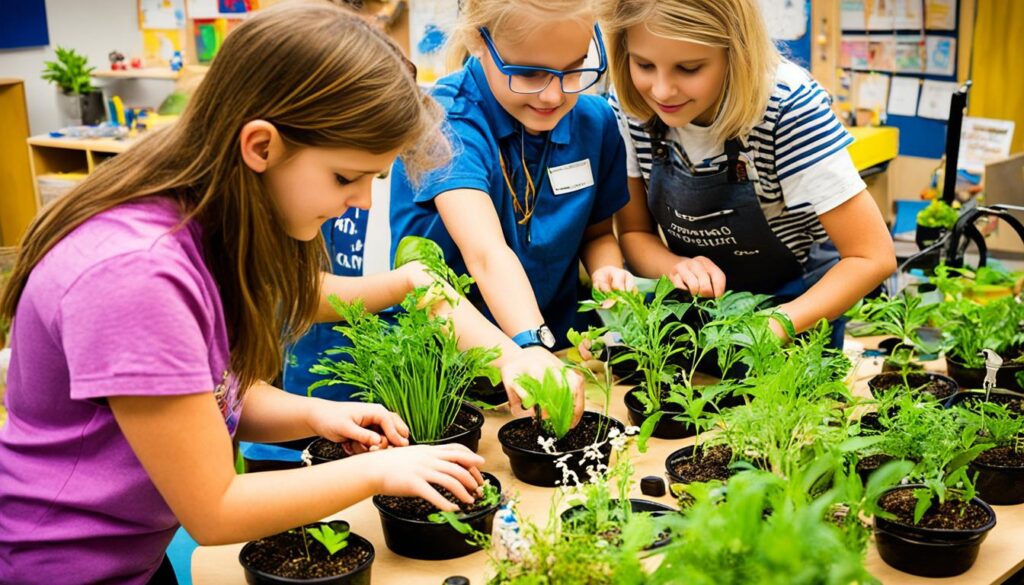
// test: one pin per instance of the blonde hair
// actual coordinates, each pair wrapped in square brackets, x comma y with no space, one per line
[509,20]
[735,25]
[324,78]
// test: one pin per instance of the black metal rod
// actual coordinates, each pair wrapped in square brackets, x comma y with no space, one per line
[957,105]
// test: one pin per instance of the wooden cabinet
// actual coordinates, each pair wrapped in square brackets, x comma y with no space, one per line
[17,196]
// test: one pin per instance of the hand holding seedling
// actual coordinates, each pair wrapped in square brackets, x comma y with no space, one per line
[608,278]
[413,471]
[535,362]
[358,427]
[698,275]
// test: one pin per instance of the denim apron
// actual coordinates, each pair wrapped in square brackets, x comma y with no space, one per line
[719,216]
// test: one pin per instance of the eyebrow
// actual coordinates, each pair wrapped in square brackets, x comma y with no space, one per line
[360,174]
[687,62]
[568,67]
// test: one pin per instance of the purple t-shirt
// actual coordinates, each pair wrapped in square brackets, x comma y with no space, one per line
[124,305]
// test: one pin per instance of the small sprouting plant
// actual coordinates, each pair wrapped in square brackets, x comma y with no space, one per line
[938,214]
[739,331]
[652,331]
[552,397]
[973,327]
[413,367]
[428,253]
[333,536]
[999,425]
[490,497]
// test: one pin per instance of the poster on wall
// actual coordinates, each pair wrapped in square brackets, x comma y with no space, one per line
[786,19]
[983,141]
[940,55]
[935,96]
[854,53]
[430,24]
[158,46]
[940,14]
[871,91]
[852,15]
[161,14]
[882,54]
[903,93]
[908,14]
[909,54]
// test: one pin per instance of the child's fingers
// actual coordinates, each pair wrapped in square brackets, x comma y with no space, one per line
[394,429]
[453,485]
[431,495]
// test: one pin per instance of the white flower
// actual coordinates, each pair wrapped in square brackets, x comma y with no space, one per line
[548,445]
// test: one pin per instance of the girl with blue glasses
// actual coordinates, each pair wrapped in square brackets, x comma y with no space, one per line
[538,172]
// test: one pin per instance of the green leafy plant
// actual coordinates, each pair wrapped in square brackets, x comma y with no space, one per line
[763,531]
[490,497]
[739,331]
[553,399]
[652,332]
[428,253]
[413,367]
[333,536]
[972,327]
[70,72]
[902,317]
[999,425]
[938,214]
[979,284]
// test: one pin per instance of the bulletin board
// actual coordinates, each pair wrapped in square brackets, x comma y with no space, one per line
[901,59]
[23,24]
[789,23]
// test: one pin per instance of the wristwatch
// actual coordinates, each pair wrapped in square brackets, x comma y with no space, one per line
[540,336]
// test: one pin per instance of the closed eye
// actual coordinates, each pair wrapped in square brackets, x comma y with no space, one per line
[689,70]
[341,180]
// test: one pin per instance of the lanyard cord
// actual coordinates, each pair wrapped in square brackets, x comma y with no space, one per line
[525,209]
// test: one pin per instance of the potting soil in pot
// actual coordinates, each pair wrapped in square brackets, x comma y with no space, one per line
[940,388]
[951,515]
[583,435]
[709,464]
[413,508]
[284,555]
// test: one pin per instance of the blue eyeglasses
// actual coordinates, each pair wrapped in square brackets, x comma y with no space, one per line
[528,80]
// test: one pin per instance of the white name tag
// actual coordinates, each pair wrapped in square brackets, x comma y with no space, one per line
[571,177]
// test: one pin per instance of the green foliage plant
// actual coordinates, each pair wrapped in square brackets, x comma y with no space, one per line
[70,72]
[552,400]
[652,331]
[938,214]
[413,367]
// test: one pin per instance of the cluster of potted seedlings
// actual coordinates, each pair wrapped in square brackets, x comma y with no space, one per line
[786,467]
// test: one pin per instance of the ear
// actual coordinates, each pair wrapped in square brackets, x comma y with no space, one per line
[260,143]
[477,48]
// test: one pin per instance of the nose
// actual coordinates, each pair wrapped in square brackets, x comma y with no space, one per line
[662,89]
[365,198]
[552,95]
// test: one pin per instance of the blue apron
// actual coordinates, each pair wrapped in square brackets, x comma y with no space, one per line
[345,237]
[719,216]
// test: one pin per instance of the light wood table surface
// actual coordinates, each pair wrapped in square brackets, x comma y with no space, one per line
[1002,553]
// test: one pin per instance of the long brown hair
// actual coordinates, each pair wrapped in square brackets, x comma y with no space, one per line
[323,77]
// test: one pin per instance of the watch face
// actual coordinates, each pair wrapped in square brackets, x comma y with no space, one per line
[546,337]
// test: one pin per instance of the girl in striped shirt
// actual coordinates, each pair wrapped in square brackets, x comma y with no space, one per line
[734,154]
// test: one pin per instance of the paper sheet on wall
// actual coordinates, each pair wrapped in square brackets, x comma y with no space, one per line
[872,90]
[903,95]
[908,14]
[882,54]
[881,16]
[853,53]
[430,25]
[851,15]
[909,56]
[935,99]
[940,14]
[984,140]
[940,55]
[158,46]
[786,19]
[161,14]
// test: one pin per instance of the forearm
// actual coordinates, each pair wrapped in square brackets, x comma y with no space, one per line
[646,254]
[378,291]
[839,289]
[299,496]
[600,252]
[474,330]
[506,290]
[271,415]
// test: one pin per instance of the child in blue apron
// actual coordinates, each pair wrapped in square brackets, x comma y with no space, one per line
[735,155]
[345,238]
[538,171]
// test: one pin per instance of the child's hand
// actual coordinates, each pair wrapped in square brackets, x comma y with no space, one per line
[609,278]
[534,361]
[358,427]
[413,471]
[699,275]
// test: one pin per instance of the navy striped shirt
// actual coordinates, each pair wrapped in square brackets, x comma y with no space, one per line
[796,157]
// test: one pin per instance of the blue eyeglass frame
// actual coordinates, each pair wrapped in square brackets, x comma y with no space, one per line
[510,70]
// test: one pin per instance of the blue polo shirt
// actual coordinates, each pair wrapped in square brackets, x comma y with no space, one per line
[345,238]
[549,247]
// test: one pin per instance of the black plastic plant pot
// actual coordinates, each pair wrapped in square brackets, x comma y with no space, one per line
[1014,401]
[534,466]
[638,506]
[942,386]
[321,451]
[434,541]
[260,558]
[667,427]
[971,378]
[998,485]
[483,391]
[469,434]
[930,552]
[720,471]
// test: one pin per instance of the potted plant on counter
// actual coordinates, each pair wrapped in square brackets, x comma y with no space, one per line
[83,103]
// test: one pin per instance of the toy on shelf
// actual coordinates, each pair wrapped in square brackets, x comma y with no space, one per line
[117,61]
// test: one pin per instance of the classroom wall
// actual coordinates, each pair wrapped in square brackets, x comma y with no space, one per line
[93,28]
